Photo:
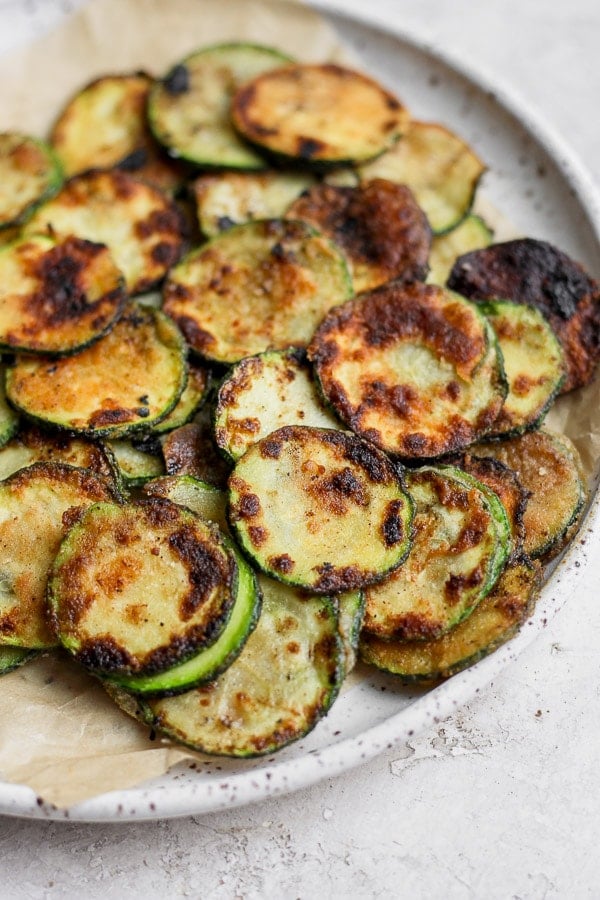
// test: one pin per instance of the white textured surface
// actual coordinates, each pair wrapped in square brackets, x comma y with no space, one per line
[499,802]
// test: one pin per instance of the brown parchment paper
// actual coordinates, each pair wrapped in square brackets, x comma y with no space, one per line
[59,732]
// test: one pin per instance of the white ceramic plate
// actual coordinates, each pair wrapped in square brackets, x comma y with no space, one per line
[535,181]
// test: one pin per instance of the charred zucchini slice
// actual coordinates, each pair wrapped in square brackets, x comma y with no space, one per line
[138,589]
[36,506]
[261,394]
[225,199]
[538,274]
[191,450]
[495,620]
[351,613]
[342,521]
[206,500]
[141,227]
[441,170]
[194,394]
[57,297]
[13,657]
[549,468]
[461,542]
[282,683]
[261,285]
[378,225]
[288,113]
[533,363]
[413,368]
[189,108]
[29,174]
[121,384]
[136,466]
[104,126]
[471,234]
[210,661]
[32,445]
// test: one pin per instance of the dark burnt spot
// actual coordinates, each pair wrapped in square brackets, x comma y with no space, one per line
[392,527]
[369,459]
[165,220]
[334,580]
[473,532]
[449,493]
[282,563]
[206,568]
[142,411]
[415,444]
[453,390]
[416,627]
[104,655]
[104,418]
[72,516]
[177,80]
[165,254]
[334,492]
[7,625]
[270,448]
[458,585]
[197,337]
[160,513]
[258,535]
[392,102]
[283,254]
[224,223]
[248,506]
[135,160]
[263,130]
[308,147]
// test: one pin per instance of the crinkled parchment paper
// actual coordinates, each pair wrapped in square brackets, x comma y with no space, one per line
[59,732]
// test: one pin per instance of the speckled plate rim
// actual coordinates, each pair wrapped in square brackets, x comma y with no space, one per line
[248,786]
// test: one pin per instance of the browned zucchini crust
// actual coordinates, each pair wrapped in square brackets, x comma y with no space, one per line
[57,297]
[378,224]
[536,273]
[32,445]
[319,114]
[412,368]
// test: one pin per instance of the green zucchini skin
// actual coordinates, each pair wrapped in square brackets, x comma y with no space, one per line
[9,419]
[188,109]
[19,155]
[135,466]
[351,613]
[13,657]
[283,682]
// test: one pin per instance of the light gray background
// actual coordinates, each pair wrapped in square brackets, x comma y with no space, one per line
[502,800]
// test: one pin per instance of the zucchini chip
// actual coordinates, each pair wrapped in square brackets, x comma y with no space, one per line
[320,115]
[538,274]
[495,620]
[57,297]
[413,368]
[141,227]
[261,394]
[121,384]
[461,543]
[136,466]
[342,521]
[32,445]
[38,505]
[194,394]
[282,683]
[351,614]
[138,589]
[13,657]
[533,363]
[549,468]
[104,126]
[441,170]
[471,234]
[225,199]
[263,285]
[189,108]
[378,225]
[29,174]
[206,500]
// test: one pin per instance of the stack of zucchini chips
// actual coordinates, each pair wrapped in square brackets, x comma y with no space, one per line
[272,396]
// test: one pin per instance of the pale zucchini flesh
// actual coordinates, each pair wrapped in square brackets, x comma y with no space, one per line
[189,108]
[37,504]
[29,174]
[461,541]
[206,500]
[135,466]
[263,393]
[284,681]
[288,113]
[351,614]
[342,521]
[441,170]
[470,234]
[262,285]
[123,383]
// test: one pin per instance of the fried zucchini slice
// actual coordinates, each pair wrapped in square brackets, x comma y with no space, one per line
[136,466]
[121,384]
[188,109]
[32,445]
[262,285]
[496,619]
[225,199]
[140,226]
[533,362]
[193,396]
[261,394]
[413,368]
[378,225]
[461,543]
[138,589]
[56,297]
[471,234]
[538,274]
[29,174]
[549,468]
[37,505]
[342,521]
[351,614]
[206,500]
[441,170]
[288,113]
[104,126]
[284,681]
